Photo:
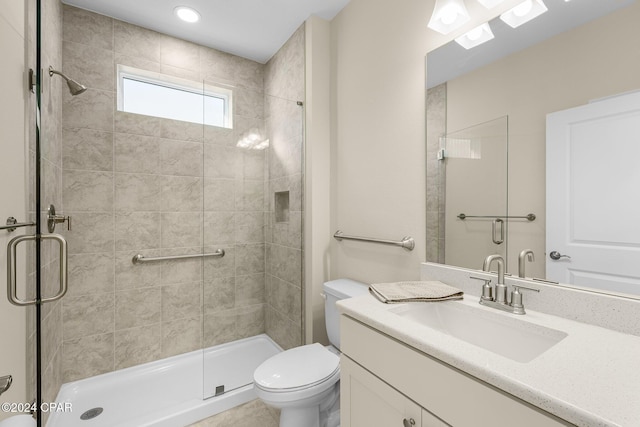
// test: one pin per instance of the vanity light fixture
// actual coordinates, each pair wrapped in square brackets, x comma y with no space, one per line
[490,4]
[187,14]
[448,15]
[524,12]
[476,37]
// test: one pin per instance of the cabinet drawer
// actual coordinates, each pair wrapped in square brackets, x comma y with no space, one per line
[453,396]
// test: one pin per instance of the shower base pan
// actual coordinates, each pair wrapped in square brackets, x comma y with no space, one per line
[168,392]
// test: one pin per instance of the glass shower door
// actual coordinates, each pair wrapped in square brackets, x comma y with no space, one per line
[252,299]
[476,193]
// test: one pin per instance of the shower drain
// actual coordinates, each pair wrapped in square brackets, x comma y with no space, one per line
[91,414]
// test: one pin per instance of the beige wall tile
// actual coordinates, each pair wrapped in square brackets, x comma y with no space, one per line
[87,149]
[181,301]
[249,227]
[91,274]
[220,162]
[137,124]
[250,259]
[286,333]
[86,27]
[137,345]
[139,307]
[130,276]
[220,267]
[87,315]
[137,41]
[250,290]
[92,110]
[181,131]
[219,328]
[180,53]
[181,271]
[89,65]
[284,297]
[134,153]
[137,193]
[250,195]
[248,103]
[250,321]
[87,356]
[87,191]
[219,294]
[181,336]
[91,232]
[137,230]
[285,263]
[181,230]
[219,228]
[180,158]
[219,194]
[181,194]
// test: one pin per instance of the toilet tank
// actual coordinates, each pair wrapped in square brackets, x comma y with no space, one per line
[334,291]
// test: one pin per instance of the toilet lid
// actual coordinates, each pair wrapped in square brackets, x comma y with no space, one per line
[298,367]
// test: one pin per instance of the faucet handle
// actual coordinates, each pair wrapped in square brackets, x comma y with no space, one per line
[487,291]
[516,298]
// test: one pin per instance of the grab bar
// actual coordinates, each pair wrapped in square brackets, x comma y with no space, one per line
[141,259]
[13,223]
[529,217]
[406,243]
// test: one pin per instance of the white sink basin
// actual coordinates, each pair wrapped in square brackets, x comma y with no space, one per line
[503,334]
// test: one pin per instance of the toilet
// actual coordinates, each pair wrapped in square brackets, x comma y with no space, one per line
[303,382]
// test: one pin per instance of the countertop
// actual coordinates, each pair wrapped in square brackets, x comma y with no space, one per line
[591,378]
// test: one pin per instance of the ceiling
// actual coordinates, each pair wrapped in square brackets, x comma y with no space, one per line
[253,29]
[452,60]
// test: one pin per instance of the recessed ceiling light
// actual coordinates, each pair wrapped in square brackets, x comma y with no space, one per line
[187,14]
[448,15]
[475,37]
[524,12]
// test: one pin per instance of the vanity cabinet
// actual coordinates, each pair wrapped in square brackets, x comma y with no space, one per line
[386,383]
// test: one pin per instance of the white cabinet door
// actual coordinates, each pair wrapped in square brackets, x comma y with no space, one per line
[367,401]
[593,202]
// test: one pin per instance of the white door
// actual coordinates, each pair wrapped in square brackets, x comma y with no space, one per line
[12,195]
[593,195]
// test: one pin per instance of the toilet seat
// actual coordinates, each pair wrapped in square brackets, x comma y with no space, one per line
[298,369]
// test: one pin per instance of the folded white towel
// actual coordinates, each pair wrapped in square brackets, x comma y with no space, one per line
[414,291]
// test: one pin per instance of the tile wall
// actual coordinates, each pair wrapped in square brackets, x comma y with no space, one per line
[436,173]
[135,184]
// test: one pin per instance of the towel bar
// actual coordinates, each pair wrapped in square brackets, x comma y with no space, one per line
[141,259]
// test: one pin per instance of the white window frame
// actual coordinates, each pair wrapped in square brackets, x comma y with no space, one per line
[200,88]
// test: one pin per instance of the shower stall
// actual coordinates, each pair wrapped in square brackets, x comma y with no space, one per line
[176,172]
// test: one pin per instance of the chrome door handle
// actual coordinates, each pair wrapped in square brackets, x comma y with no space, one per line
[494,227]
[12,282]
[555,255]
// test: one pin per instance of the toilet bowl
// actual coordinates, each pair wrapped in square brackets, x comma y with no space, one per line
[303,382]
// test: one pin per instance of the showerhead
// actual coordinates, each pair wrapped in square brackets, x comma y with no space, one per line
[74,87]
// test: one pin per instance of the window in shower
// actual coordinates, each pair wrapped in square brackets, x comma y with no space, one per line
[159,95]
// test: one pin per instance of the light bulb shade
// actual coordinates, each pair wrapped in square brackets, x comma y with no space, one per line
[490,4]
[524,12]
[448,15]
[476,37]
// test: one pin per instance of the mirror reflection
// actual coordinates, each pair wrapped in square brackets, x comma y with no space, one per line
[570,69]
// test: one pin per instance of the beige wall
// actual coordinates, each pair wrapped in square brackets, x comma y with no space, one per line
[378,132]
[12,175]
[598,59]
[378,141]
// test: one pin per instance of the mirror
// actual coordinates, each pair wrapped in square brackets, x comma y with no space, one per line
[575,53]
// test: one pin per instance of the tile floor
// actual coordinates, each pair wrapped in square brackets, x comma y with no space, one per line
[252,414]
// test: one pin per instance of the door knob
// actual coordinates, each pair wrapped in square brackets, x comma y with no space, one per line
[408,422]
[555,255]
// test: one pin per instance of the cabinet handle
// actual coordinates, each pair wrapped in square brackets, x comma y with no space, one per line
[408,422]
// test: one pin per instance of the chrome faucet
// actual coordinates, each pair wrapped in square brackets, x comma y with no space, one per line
[528,253]
[500,288]
[500,301]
